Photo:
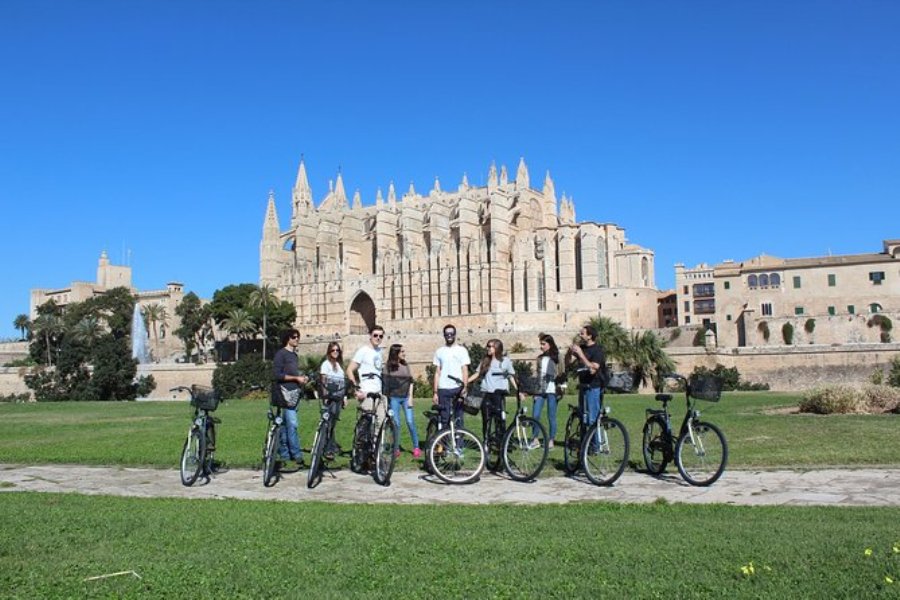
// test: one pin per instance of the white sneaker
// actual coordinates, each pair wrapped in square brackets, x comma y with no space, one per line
[534,445]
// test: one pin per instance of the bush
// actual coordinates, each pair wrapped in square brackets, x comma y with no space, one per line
[518,348]
[833,399]
[699,337]
[809,326]
[731,379]
[22,362]
[880,398]
[676,333]
[787,333]
[15,398]
[763,328]
[877,377]
[144,385]
[894,373]
[233,380]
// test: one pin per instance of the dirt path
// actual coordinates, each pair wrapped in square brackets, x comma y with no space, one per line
[857,487]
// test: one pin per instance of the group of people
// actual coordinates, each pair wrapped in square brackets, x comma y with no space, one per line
[368,374]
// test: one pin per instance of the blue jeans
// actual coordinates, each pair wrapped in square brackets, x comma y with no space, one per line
[591,398]
[446,408]
[550,400]
[400,404]
[290,439]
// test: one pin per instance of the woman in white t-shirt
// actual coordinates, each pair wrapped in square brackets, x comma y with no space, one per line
[547,367]
[496,373]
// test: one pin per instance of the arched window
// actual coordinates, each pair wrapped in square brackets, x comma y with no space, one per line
[874,308]
[775,280]
[763,280]
[752,281]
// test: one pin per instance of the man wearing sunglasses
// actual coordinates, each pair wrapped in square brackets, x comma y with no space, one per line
[367,364]
[451,363]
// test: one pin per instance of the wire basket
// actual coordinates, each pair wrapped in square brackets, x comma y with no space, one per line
[205,398]
[530,384]
[705,387]
[471,402]
[334,389]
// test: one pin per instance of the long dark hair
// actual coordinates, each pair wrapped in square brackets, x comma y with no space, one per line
[486,361]
[340,356]
[552,351]
[394,360]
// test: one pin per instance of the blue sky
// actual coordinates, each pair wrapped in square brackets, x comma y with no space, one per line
[708,130]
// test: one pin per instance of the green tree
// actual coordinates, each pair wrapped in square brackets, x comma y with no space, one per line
[48,330]
[88,330]
[239,324]
[613,337]
[23,324]
[155,315]
[280,315]
[195,323]
[262,298]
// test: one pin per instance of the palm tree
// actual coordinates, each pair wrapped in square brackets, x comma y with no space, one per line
[48,326]
[238,323]
[23,324]
[262,298]
[647,359]
[612,337]
[155,315]
[87,330]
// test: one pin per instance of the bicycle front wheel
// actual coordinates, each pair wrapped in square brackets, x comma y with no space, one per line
[701,454]
[316,466]
[456,459]
[493,442]
[656,446]
[524,451]
[210,466]
[270,456]
[604,453]
[385,456]
[572,444]
[192,456]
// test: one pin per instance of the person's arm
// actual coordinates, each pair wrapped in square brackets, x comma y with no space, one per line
[580,355]
[351,375]
[409,399]
[465,377]
[437,377]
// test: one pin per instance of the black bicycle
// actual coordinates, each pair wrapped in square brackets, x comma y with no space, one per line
[599,448]
[700,450]
[520,448]
[197,455]
[322,449]
[374,442]
[273,434]
[452,453]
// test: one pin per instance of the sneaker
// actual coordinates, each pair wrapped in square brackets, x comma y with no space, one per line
[417,453]
[534,445]
[396,454]
[550,444]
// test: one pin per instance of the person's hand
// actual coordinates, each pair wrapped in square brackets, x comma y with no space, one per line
[360,395]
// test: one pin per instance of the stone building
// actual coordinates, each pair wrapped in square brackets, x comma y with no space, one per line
[503,257]
[109,276]
[826,300]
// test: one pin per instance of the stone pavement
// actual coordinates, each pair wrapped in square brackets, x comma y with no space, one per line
[827,487]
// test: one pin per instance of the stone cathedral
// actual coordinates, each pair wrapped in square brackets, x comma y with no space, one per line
[499,258]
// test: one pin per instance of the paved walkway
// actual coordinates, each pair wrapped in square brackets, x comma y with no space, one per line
[831,487]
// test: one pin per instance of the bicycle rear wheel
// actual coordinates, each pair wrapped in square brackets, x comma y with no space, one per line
[385,452]
[192,456]
[458,459]
[210,466]
[270,456]
[604,453]
[656,446]
[524,452]
[572,444]
[316,465]
[701,458]
[359,447]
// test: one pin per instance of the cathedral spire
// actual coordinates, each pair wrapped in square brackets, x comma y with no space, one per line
[549,188]
[492,176]
[437,185]
[379,199]
[339,193]
[392,194]
[504,176]
[411,192]
[302,200]
[357,200]
[464,184]
[522,180]
[271,228]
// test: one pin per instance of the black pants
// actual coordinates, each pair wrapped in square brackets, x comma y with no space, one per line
[491,407]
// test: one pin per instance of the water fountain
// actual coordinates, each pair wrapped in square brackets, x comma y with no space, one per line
[140,341]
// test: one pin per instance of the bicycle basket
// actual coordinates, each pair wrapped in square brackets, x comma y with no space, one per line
[334,389]
[529,384]
[471,402]
[620,382]
[705,387]
[205,398]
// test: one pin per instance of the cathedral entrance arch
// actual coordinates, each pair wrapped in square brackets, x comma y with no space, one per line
[362,314]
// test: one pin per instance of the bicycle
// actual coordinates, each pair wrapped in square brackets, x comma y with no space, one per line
[454,454]
[324,440]
[599,448]
[273,435]
[197,455]
[521,448]
[374,444]
[700,451]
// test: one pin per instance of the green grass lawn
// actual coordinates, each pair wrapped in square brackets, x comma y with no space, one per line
[151,433]
[51,543]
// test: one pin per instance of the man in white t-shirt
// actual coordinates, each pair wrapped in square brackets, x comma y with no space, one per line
[451,373]
[367,364]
